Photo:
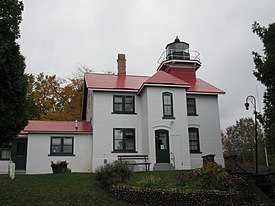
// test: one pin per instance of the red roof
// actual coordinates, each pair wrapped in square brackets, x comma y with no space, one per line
[204,87]
[111,81]
[130,82]
[57,126]
[161,77]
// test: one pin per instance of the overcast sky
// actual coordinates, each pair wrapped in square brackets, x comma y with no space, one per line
[59,35]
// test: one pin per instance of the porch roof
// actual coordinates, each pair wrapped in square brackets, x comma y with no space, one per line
[57,127]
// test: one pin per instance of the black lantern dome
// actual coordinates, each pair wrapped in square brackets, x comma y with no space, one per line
[177,50]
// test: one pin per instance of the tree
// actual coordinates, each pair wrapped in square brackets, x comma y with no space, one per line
[265,73]
[13,83]
[53,98]
[239,139]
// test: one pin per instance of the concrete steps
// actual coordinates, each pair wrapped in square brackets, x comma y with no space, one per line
[163,167]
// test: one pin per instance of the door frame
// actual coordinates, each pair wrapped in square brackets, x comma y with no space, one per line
[20,160]
[159,151]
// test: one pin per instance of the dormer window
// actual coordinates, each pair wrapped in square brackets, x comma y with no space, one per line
[123,104]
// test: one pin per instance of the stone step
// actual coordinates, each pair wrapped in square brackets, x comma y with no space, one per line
[163,167]
[20,172]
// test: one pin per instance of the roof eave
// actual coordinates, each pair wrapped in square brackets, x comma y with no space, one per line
[205,93]
[161,85]
[58,132]
[112,89]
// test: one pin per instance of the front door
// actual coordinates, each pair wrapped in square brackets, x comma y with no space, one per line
[162,146]
[19,153]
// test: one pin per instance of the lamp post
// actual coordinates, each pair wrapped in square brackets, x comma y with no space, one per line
[253,102]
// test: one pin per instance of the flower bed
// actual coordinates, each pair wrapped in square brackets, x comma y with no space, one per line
[59,166]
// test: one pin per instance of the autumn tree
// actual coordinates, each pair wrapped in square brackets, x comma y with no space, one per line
[13,83]
[55,98]
[239,139]
[265,73]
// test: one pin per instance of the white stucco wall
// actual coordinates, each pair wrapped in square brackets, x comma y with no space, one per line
[89,108]
[143,122]
[4,166]
[208,123]
[148,119]
[178,133]
[104,121]
[38,159]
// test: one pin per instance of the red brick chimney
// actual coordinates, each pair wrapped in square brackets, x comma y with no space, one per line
[121,64]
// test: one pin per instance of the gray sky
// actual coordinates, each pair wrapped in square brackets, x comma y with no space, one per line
[57,36]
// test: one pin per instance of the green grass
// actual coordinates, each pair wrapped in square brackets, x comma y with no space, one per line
[160,179]
[70,188]
[53,189]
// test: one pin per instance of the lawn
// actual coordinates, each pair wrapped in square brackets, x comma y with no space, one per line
[74,188]
[157,179]
[53,189]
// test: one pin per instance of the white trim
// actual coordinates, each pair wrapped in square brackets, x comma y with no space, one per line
[166,85]
[193,125]
[206,93]
[161,126]
[162,85]
[113,90]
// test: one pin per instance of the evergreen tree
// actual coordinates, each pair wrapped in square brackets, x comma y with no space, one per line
[13,83]
[265,73]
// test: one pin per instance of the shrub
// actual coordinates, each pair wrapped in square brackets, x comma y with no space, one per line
[150,181]
[208,177]
[112,174]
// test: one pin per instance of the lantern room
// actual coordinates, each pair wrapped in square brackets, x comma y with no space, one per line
[178,52]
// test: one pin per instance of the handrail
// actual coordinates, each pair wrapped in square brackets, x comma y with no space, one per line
[178,54]
[173,158]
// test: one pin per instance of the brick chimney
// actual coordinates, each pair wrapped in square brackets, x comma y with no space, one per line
[121,64]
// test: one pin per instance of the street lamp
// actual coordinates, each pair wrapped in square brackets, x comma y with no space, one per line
[252,99]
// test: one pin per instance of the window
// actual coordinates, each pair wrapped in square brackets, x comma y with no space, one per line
[124,104]
[191,107]
[62,145]
[124,140]
[5,152]
[194,143]
[167,99]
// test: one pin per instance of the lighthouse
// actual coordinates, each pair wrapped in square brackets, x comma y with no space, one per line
[180,61]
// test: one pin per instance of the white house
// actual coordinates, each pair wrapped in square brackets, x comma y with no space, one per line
[171,116]
[44,141]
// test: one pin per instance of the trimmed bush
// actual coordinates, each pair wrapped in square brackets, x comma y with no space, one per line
[112,174]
